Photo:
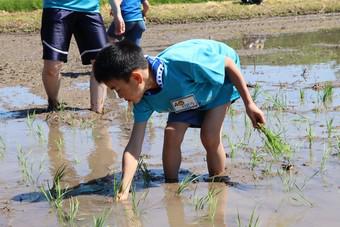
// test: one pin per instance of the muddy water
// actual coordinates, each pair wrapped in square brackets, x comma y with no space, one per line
[291,72]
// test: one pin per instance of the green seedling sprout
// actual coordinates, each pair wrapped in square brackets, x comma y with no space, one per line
[30,120]
[25,167]
[310,135]
[327,93]
[60,143]
[202,202]
[56,194]
[329,127]
[302,95]
[136,202]
[256,92]
[274,143]
[2,148]
[253,221]
[100,220]
[143,168]
[185,183]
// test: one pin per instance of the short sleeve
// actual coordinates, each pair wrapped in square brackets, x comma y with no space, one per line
[142,111]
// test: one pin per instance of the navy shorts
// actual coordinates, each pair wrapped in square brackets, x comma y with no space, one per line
[133,31]
[192,117]
[57,27]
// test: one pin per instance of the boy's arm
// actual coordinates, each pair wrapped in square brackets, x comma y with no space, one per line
[117,16]
[146,6]
[255,114]
[130,159]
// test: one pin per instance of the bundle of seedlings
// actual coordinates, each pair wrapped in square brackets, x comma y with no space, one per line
[275,144]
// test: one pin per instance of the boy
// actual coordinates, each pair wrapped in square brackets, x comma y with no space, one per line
[128,20]
[194,80]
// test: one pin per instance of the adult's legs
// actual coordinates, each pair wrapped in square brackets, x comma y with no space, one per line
[172,157]
[98,93]
[212,139]
[51,79]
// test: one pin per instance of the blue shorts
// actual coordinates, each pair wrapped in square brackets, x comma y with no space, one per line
[57,27]
[192,117]
[133,31]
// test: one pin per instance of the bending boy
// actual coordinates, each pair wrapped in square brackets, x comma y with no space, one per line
[195,81]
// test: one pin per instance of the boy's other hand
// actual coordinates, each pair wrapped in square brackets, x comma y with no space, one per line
[255,114]
[119,25]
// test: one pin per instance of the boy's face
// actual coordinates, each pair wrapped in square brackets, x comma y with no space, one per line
[130,91]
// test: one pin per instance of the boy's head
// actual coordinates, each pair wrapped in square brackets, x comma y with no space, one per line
[120,66]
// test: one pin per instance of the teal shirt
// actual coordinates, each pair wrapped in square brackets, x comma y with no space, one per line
[89,6]
[193,67]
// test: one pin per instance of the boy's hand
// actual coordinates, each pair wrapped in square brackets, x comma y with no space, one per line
[255,114]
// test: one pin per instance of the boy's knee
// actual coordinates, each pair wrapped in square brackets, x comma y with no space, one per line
[210,140]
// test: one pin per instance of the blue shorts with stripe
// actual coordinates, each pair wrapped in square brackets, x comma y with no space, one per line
[58,26]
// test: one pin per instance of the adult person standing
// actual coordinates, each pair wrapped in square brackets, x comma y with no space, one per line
[128,21]
[61,20]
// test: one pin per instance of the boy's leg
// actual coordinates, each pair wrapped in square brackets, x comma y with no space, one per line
[173,137]
[51,80]
[212,140]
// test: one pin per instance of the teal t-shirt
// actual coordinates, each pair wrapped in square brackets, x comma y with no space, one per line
[131,10]
[193,68]
[89,6]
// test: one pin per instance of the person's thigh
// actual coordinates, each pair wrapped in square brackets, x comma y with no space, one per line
[134,31]
[213,121]
[56,33]
[90,35]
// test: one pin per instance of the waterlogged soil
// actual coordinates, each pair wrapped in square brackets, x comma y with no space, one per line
[295,63]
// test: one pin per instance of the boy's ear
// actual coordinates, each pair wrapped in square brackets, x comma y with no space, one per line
[137,76]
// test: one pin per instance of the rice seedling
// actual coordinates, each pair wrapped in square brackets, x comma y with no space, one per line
[56,194]
[25,167]
[136,202]
[59,143]
[327,93]
[100,220]
[329,125]
[30,120]
[302,96]
[143,169]
[184,184]
[2,148]
[212,205]
[255,158]
[256,92]
[310,135]
[253,221]
[40,133]
[275,144]
[201,203]
[278,102]
[324,159]
[71,215]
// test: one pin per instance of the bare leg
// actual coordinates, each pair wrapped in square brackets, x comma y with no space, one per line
[51,80]
[173,137]
[212,139]
[98,94]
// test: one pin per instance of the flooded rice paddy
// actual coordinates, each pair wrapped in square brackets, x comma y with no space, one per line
[294,78]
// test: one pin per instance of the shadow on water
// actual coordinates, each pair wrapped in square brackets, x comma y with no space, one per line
[104,185]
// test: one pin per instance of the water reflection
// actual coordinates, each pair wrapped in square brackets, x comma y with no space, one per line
[100,159]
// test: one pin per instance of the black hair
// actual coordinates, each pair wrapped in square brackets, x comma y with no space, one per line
[117,61]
